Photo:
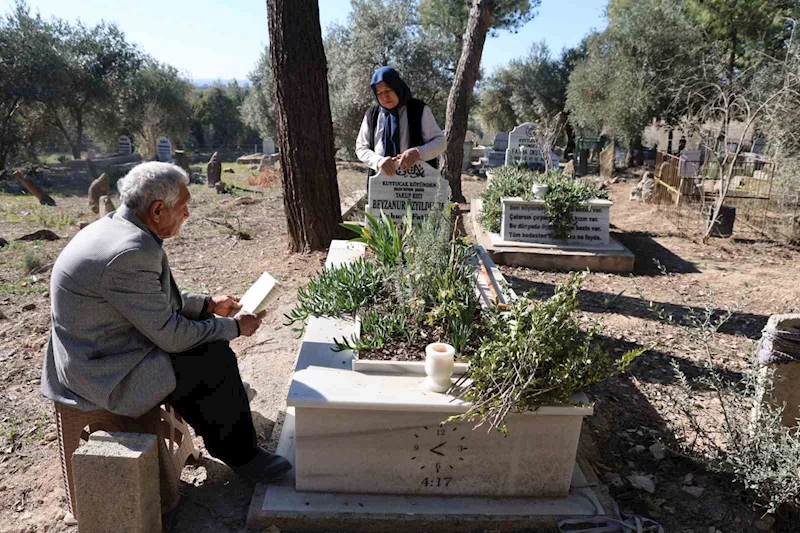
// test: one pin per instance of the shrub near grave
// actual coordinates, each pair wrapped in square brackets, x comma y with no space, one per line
[418,287]
[564,196]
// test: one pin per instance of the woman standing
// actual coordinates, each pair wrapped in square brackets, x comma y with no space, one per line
[398,131]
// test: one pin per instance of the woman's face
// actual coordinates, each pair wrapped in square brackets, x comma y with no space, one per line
[386,96]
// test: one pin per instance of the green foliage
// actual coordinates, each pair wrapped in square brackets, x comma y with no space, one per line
[152,102]
[258,108]
[421,279]
[647,60]
[30,262]
[216,119]
[383,236]
[532,88]
[735,429]
[535,352]
[29,67]
[563,197]
[507,182]
[338,291]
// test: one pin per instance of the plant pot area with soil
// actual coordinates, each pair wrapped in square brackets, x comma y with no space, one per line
[509,423]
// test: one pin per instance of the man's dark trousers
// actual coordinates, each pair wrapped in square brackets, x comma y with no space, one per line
[209,394]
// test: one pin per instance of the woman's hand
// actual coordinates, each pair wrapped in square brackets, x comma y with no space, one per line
[389,166]
[409,158]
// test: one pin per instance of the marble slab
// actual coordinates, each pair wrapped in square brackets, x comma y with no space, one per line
[528,221]
[281,505]
[421,186]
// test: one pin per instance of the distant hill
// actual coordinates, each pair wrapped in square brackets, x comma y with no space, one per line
[208,82]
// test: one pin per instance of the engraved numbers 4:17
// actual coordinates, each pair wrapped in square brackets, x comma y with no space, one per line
[437,481]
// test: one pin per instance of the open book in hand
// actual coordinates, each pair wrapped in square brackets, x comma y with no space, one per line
[260,294]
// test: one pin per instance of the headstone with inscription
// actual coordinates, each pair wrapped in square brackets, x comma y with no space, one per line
[524,147]
[527,221]
[124,145]
[164,149]
[421,186]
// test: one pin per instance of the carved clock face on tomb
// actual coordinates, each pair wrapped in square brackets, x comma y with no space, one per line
[438,453]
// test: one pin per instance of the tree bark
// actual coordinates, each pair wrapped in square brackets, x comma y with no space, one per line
[480,16]
[732,58]
[305,128]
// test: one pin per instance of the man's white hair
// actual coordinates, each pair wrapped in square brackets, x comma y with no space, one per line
[149,182]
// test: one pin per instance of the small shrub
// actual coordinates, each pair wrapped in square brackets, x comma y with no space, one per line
[536,352]
[725,432]
[30,262]
[562,199]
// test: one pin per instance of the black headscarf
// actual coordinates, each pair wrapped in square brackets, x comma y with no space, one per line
[391,121]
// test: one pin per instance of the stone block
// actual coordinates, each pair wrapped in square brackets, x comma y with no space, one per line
[116,483]
[779,352]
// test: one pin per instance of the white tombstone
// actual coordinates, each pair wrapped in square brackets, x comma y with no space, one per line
[267,147]
[527,221]
[525,147]
[124,145]
[421,185]
[164,149]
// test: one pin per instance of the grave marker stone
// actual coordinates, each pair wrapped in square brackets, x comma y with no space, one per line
[164,149]
[607,160]
[527,221]
[500,142]
[124,145]
[421,185]
[524,147]
[214,170]
[268,147]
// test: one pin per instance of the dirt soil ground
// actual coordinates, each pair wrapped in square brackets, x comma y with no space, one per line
[211,255]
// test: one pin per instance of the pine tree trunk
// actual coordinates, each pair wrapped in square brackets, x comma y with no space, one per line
[455,131]
[305,129]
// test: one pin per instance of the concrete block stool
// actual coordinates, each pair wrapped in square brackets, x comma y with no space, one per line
[174,443]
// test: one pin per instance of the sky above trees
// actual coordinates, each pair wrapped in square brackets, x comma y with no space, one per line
[210,40]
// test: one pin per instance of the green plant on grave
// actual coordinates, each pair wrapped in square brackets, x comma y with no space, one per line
[564,196]
[533,353]
[337,292]
[422,281]
[383,236]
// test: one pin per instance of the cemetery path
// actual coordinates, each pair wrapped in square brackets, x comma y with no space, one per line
[638,410]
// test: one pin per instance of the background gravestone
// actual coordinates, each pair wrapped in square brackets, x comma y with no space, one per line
[182,161]
[124,145]
[214,170]
[421,185]
[164,149]
[607,160]
[268,147]
[99,187]
[500,141]
[524,147]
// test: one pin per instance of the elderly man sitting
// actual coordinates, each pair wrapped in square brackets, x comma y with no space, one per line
[125,339]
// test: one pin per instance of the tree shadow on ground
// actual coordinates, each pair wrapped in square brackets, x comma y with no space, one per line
[624,427]
[647,250]
[747,324]
[656,366]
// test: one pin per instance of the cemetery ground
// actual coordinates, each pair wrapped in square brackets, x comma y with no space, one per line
[230,239]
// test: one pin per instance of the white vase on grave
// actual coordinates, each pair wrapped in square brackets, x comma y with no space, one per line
[539,190]
[439,364]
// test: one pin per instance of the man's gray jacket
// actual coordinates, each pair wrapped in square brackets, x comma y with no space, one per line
[116,316]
